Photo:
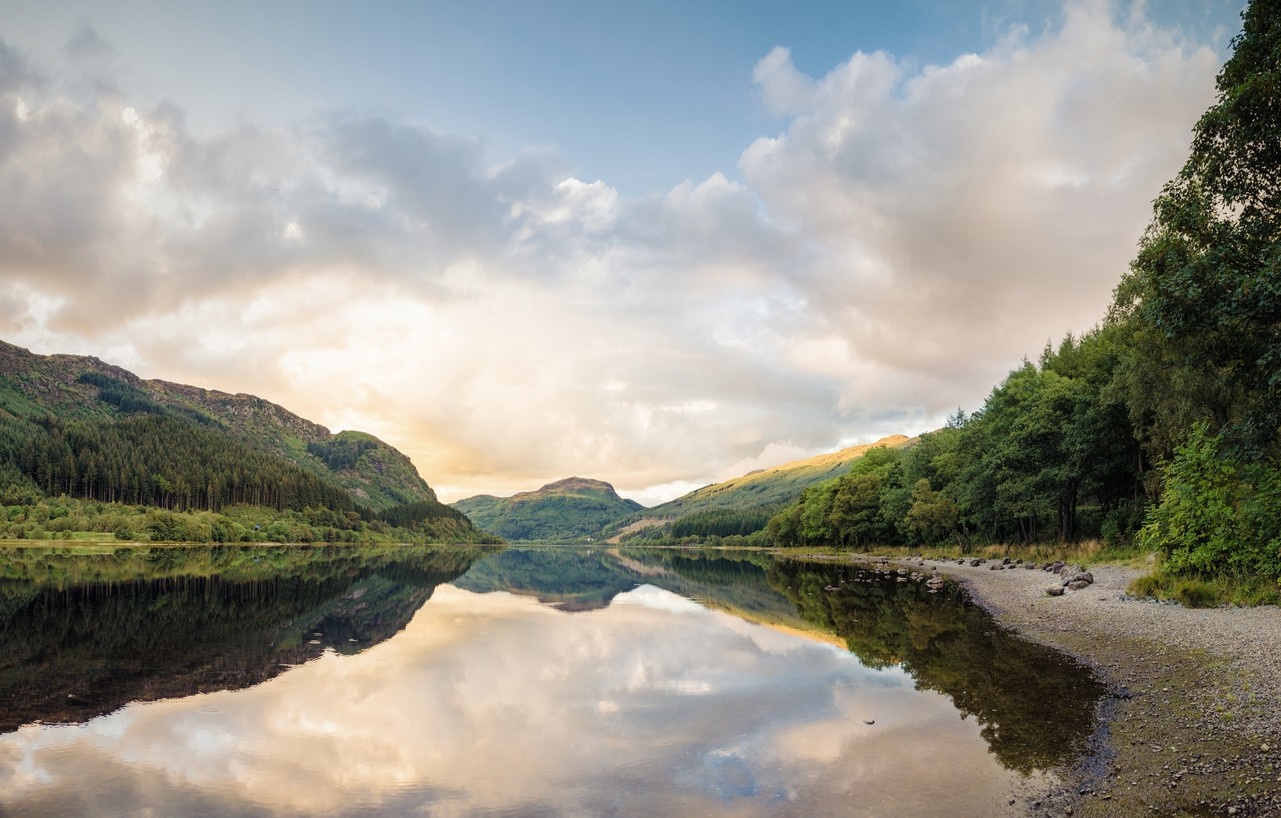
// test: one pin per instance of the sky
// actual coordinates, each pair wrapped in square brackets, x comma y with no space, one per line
[657,244]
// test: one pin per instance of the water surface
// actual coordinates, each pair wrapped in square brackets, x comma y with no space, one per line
[516,682]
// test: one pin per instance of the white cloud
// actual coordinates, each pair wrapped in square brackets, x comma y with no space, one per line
[908,236]
[969,212]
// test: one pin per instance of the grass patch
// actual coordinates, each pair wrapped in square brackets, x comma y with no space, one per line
[1086,552]
[1205,592]
[1196,593]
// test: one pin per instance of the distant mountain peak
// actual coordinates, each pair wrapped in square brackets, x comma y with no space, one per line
[577,484]
[573,508]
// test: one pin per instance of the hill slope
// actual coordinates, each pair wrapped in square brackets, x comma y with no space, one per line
[569,509]
[85,388]
[76,426]
[744,504]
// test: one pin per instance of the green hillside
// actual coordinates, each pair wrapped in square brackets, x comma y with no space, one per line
[77,428]
[743,505]
[572,509]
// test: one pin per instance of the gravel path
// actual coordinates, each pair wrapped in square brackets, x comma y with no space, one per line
[1193,726]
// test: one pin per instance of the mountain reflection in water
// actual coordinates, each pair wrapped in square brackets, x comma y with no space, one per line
[85,633]
[492,700]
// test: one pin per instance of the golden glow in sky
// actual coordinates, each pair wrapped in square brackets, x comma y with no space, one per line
[888,235]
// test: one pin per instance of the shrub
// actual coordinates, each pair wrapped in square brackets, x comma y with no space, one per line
[1196,593]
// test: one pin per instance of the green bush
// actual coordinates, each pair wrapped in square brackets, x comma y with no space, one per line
[1217,513]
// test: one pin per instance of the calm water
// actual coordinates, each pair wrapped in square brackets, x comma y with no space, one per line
[517,682]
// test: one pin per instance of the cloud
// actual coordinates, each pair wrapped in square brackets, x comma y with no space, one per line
[86,47]
[969,212]
[910,233]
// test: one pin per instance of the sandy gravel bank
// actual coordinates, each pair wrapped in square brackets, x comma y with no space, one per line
[1193,725]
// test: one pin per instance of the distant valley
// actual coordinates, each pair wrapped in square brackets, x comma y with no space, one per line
[578,509]
[88,448]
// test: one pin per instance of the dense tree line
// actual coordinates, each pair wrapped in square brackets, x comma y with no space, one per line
[130,399]
[159,477]
[341,453]
[1050,456]
[721,522]
[1163,423]
[413,516]
[26,515]
[156,460]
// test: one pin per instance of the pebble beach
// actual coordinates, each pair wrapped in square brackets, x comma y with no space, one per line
[1192,723]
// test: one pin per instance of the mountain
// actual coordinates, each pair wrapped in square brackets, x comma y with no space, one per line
[744,504]
[570,509]
[76,426]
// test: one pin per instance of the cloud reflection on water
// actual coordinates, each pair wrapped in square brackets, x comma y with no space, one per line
[495,704]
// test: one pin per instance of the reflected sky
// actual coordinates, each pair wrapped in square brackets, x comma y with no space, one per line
[493,704]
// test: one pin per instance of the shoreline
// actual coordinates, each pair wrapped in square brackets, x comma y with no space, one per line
[1192,723]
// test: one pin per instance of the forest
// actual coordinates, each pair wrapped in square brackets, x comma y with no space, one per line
[120,465]
[1158,428]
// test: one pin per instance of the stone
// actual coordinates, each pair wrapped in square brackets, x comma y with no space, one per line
[1077,584]
[1054,590]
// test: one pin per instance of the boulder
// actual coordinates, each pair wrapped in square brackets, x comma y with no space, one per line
[1054,590]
